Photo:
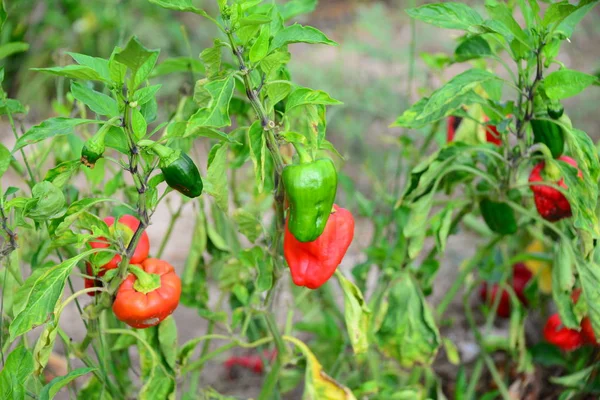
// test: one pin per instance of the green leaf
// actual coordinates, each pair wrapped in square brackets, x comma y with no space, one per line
[62,173]
[249,225]
[52,127]
[451,351]
[97,102]
[216,176]
[299,34]
[177,65]
[179,5]
[260,48]
[408,332]
[216,114]
[356,314]
[48,202]
[500,13]
[294,8]
[51,389]
[15,373]
[473,48]
[276,92]
[11,106]
[3,15]
[274,61]
[448,15]
[100,65]
[567,83]
[589,276]
[134,55]
[562,283]
[211,58]
[5,158]
[145,94]
[257,144]
[36,299]
[302,96]
[73,72]
[167,338]
[74,212]
[568,24]
[8,49]
[458,86]
[138,124]
[158,382]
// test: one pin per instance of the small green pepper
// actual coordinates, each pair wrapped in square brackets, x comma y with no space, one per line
[179,171]
[311,187]
[498,216]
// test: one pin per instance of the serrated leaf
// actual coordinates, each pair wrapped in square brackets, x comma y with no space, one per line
[52,127]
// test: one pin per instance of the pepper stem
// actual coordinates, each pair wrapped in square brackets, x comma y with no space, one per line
[166,154]
[145,282]
[305,158]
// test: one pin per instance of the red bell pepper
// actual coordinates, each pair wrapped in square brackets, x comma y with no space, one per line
[313,263]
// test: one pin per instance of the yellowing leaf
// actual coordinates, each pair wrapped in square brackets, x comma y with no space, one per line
[541,269]
[318,385]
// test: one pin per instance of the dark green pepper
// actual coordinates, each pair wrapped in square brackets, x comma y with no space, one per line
[549,133]
[555,109]
[498,216]
[311,187]
[179,171]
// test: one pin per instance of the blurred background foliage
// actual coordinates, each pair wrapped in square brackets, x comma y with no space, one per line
[377,71]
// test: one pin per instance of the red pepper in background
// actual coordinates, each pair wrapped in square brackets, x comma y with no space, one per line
[587,331]
[491,132]
[252,362]
[453,123]
[521,276]
[551,204]
[313,263]
[564,338]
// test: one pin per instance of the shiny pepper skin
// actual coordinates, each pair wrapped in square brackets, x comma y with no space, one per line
[142,310]
[521,277]
[183,175]
[313,263]
[551,204]
[564,338]
[311,189]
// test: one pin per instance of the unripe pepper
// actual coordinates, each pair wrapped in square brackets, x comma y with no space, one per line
[549,133]
[313,263]
[498,216]
[94,147]
[564,338]
[148,295]
[179,171]
[551,204]
[520,278]
[311,187]
[555,109]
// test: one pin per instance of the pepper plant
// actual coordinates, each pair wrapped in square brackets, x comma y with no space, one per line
[246,153]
